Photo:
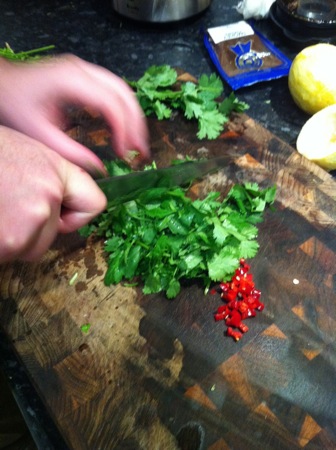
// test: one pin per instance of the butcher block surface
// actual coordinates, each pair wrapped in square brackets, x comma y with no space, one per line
[153,373]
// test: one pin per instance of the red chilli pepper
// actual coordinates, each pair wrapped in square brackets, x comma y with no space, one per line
[243,328]
[242,300]
[220,316]
[234,319]
[236,335]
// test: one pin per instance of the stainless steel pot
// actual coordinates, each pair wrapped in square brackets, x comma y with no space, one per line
[159,10]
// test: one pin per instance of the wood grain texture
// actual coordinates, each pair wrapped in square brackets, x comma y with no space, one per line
[159,374]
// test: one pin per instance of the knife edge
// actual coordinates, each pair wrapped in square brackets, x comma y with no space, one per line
[122,188]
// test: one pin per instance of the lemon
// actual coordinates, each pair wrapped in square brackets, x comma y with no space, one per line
[317,138]
[312,77]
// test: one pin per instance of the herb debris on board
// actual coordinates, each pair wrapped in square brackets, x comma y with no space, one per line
[159,92]
[163,236]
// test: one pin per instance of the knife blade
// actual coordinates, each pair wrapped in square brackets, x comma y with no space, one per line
[122,188]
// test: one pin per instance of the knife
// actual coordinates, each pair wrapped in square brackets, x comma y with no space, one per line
[122,188]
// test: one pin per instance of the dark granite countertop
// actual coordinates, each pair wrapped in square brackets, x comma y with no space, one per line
[92,31]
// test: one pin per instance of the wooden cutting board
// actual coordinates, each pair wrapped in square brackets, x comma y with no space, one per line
[153,373]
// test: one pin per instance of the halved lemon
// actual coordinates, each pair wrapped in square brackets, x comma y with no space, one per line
[317,138]
[312,77]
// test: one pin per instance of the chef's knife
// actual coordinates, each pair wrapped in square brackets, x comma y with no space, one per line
[123,188]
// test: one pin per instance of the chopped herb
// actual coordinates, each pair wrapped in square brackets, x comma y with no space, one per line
[130,284]
[159,92]
[85,328]
[73,279]
[163,236]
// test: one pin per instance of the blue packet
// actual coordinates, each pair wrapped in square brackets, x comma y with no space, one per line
[243,56]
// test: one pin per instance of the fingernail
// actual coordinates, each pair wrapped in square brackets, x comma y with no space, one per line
[96,172]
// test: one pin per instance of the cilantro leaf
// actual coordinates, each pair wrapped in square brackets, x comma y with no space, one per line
[231,103]
[159,92]
[248,248]
[210,87]
[211,124]
[161,110]
[222,265]
[173,289]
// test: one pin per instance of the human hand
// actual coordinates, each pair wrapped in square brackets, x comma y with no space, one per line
[41,195]
[33,96]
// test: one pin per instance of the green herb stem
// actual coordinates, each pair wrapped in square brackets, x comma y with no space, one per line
[32,54]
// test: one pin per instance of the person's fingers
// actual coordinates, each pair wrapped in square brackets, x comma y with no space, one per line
[42,194]
[51,136]
[82,200]
[113,100]
[30,240]
[41,91]
[127,101]
[107,94]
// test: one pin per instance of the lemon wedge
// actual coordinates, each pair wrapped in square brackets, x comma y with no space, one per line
[312,77]
[317,138]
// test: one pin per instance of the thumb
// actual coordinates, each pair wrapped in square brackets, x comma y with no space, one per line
[82,200]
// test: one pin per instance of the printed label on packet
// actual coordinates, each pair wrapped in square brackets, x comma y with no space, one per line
[231,31]
[243,56]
